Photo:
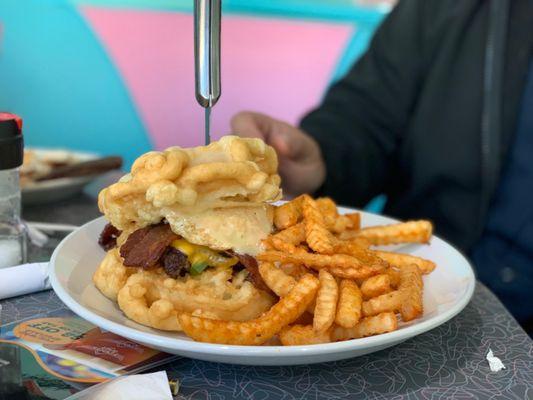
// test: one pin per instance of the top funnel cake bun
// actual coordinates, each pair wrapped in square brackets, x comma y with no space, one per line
[213,195]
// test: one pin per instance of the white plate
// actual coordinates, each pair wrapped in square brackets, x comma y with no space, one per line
[447,291]
[57,189]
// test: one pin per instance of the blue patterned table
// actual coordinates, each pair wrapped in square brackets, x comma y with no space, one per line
[445,363]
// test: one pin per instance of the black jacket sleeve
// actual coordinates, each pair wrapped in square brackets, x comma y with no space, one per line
[361,121]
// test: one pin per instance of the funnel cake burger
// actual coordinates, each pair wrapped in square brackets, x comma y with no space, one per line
[184,227]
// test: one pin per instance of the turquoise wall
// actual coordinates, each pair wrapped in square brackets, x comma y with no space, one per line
[56,74]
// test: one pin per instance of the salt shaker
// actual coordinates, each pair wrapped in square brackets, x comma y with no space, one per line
[12,230]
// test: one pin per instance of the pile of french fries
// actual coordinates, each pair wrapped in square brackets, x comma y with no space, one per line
[332,284]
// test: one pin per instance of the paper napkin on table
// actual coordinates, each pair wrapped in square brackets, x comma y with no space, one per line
[152,386]
[23,279]
[495,363]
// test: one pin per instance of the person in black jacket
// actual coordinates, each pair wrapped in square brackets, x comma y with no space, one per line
[437,115]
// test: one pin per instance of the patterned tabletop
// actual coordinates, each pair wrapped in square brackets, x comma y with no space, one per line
[447,362]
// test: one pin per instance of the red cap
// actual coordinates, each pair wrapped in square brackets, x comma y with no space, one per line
[11,141]
[5,116]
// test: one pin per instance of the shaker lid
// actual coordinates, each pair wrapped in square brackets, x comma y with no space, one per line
[11,141]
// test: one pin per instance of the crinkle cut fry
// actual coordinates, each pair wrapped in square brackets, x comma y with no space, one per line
[315,261]
[345,243]
[294,270]
[381,323]
[349,305]
[354,273]
[304,334]
[296,335]
[344,223]
[376,286]
[411,286]
[317,235]
[257,331]
[386,302]
[407,299]
[340,265]
[357,249]
[345,266]
[356,220]
[394,276]
[279,281]
[326,301]
[334,221]
[402,260]
[404,232]
[288,239]
[328,208]
[288,214]
[276,279]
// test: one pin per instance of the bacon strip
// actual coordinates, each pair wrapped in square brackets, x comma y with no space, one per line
[145,247]
[250,263]
[108,237]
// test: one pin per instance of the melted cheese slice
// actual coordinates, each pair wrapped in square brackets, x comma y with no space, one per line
[203,255]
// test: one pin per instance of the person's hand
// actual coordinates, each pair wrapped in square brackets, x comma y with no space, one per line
[301,166]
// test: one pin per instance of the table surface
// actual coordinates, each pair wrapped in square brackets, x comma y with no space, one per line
[447,362]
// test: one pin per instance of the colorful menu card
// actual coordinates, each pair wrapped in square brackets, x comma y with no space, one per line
[56,354]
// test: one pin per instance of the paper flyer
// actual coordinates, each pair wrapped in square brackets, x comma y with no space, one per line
[55,354]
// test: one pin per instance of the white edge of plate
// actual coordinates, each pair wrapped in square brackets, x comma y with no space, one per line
[258,351]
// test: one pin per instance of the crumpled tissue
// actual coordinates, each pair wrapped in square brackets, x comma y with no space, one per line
[495,363]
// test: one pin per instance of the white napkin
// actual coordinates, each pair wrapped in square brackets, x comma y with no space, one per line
[23,279]
[152,386]
[495,363]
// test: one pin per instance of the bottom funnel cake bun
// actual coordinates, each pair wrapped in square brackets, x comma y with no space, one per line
[152,298]
[111,274]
